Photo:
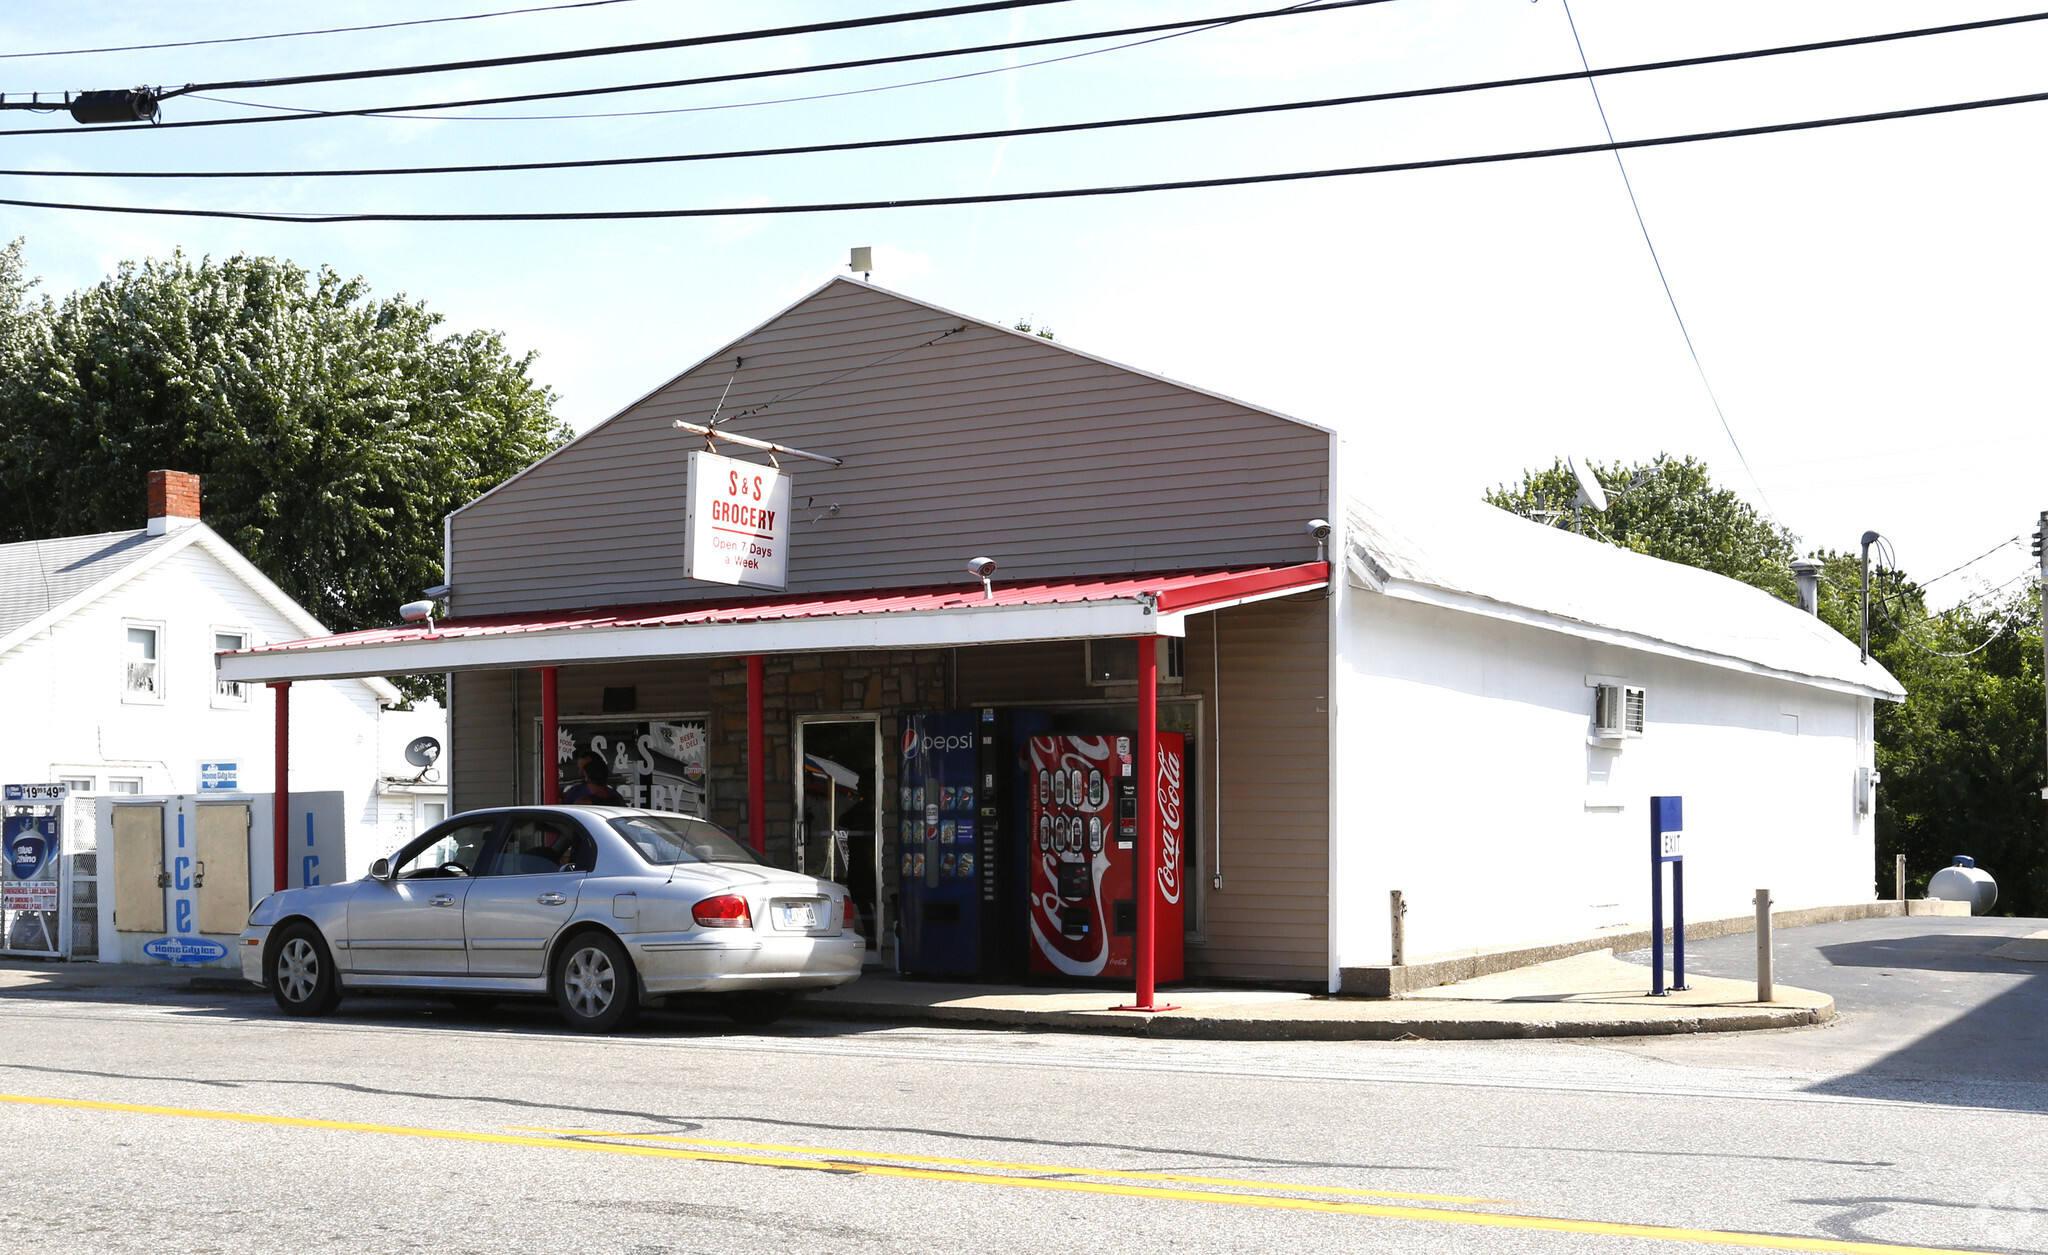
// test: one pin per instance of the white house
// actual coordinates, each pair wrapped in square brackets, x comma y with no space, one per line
[108,680]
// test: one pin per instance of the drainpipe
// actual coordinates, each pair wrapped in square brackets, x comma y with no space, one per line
[1806,573]
[280,791]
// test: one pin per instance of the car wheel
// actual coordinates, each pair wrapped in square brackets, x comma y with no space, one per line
[301,973]
[758,1009]
[595,986]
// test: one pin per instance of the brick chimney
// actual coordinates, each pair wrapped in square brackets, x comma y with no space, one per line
[173,501]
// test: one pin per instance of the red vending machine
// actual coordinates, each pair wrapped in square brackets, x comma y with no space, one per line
[1082,824]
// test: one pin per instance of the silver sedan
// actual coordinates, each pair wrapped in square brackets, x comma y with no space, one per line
[603,908]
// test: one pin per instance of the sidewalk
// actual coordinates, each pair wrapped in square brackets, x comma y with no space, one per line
[1586,995]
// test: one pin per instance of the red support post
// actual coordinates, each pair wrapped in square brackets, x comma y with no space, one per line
[757,754]
[280,789]
[550,734]
[1146,885]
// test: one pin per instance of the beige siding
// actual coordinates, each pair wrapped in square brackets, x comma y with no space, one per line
[480,724]
[1271,919]
[987,442]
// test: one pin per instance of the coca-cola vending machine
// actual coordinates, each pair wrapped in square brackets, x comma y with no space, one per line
[1082,832]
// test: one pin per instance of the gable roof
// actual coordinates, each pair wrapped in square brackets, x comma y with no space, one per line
[37,576]
[1475,557]
[43,582]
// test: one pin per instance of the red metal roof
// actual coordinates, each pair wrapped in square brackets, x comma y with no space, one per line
[1174,592]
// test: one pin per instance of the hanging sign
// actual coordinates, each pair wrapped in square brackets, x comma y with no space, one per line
[737,527]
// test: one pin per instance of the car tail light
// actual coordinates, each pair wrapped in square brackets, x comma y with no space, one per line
[727,910]
[849,919]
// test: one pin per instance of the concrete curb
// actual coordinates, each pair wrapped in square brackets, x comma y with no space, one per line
[1389,982]
[1414,1025]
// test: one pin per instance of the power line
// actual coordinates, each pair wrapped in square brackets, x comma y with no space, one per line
[1972,562]
[1069,193]
[331,30]
[857,145]
[304,115]
[1593,85]
[613,50]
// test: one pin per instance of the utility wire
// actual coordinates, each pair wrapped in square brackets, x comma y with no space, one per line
[613,50]
[331,30]
[1884,605]
[1058,128]
[1593,85]
[1972,562]
[1065,193]
[302,115]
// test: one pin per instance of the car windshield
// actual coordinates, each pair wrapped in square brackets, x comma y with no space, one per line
[665,840]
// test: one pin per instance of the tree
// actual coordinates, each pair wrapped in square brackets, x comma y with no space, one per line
[332,431]
[1668,508]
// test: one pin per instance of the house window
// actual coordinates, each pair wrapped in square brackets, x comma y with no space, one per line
[1114,660]
[79,784]
[124,784]
[228,692]
[142,678]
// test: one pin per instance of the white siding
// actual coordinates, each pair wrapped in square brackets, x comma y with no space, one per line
[1478,795]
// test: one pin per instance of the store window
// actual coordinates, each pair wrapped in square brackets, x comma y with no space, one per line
[124,784]
[79,784]
[1115,661]
[229,693]
[142,664]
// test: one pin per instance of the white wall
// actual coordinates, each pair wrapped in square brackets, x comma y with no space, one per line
[64,713]
[1474,790]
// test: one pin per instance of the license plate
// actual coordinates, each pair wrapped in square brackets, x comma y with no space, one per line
[796,915]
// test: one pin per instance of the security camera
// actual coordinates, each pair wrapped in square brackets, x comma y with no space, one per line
[981,568]
[1320,529]
[414,611]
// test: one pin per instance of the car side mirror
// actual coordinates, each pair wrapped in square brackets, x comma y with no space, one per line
[381,869]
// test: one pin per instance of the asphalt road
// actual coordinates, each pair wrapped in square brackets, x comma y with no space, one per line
[194,1123]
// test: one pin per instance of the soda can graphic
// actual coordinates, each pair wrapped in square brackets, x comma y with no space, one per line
[946,865]
[903,799]
[1044,787]
[1096,790]
[966,797]
[966,864]
[1074,838]
[917,799]
[907,864]
[945,832]
[948,795]
[917,868]
[1045,832]
[1095,834]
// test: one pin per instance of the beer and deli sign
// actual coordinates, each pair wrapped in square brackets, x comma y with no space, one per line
[737,528]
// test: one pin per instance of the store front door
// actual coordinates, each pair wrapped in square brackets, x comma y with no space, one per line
[839,810]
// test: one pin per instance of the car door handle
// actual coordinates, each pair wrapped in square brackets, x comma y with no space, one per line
[552,899]
[441,900]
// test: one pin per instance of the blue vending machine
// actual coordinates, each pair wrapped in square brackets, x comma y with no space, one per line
[941,850]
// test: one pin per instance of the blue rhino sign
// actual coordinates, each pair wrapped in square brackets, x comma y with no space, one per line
[29,846]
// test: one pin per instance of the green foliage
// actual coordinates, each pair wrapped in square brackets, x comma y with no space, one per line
[1668,508]
[332,431]
[1961,757]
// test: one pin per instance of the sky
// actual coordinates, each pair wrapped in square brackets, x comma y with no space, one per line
[1865,301]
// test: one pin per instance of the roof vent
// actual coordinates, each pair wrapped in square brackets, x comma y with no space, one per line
[173,501]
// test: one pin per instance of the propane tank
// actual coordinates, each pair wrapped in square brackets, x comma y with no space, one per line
[1965,882]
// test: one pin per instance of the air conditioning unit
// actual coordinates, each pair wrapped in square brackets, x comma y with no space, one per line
[1617,711]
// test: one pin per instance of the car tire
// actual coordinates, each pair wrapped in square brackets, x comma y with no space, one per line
[595,986]
[756,1010]
[300,972]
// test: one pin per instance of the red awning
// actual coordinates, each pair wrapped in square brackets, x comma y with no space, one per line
[927,617]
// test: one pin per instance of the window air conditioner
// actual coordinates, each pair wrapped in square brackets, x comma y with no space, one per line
[1617,711]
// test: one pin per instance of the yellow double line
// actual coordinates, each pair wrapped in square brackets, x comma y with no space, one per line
[1126,1186]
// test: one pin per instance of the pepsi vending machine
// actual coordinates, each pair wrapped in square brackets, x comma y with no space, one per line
[942,848]
[1081,803]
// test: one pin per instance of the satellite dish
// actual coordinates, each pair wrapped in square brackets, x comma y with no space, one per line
[1590,491]
[423,751]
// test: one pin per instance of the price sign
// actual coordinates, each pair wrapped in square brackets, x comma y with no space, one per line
[737,527]
[37,794]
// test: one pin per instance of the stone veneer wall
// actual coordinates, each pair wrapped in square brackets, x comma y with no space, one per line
[888,683]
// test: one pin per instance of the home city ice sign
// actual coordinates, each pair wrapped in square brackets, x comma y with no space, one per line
[737,528]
